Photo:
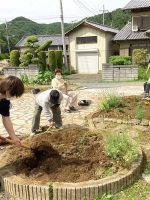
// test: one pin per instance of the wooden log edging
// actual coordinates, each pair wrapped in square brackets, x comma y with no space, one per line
[88,190]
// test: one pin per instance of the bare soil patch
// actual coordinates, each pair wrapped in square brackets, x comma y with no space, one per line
[128,108]
[68,155]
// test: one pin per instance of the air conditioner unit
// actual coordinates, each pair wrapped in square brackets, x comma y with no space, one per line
[135,28]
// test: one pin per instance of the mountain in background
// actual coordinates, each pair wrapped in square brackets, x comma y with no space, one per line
[22,26]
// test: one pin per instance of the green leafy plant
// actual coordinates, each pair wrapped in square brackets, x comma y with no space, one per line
[142,75]
[121,149]
[139,111]
[120,60]
[82,139]
[42,78]
[111,101]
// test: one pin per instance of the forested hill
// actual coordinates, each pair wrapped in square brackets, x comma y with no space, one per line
[22,26]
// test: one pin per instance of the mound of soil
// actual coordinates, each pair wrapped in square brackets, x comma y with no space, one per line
[128,108]
[68,155]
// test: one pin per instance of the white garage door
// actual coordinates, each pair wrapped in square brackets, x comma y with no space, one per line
[87,62]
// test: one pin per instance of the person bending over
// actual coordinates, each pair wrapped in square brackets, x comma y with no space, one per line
[49,102]
[9,87]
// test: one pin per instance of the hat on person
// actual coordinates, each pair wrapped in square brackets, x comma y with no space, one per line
[54,97]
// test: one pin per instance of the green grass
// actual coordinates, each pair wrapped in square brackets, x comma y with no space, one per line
[138,191]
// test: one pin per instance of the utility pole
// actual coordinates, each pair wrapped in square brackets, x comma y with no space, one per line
[103,14]
[7,36]
[63,35]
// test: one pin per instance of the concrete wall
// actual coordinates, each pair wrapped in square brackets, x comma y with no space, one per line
[119,72]
[16,71]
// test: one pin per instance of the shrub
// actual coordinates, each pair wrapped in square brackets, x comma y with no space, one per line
[140,56]
[139,112]
[42,78]
[111,101]
[4,56]
[51,60]
[142,75]
[14,58]
[59,59]
[120,60]
[120,148]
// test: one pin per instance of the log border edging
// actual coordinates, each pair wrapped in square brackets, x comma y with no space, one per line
[74,191]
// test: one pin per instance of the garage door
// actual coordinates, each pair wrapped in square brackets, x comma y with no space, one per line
[87,62]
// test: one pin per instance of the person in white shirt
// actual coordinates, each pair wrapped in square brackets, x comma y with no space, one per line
[59,83]
[49,102]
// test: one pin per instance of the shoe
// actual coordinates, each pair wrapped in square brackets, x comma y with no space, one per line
[59,127]
[67,110]
[33,132]
[73,108]
[146,98]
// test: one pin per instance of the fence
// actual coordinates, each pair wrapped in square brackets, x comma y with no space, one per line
[119,72]
[16,71]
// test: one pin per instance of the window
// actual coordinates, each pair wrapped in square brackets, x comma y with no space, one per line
[141,23]
[86,40]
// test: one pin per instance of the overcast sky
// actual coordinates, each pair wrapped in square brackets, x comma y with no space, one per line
[48,11]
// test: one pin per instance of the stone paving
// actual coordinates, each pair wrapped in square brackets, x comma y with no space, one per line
[23,108]
[22,111]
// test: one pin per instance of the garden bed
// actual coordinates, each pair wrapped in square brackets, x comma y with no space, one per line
[130,107]
[68,155]
[72,161]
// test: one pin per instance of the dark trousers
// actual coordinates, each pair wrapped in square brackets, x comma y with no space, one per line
[37,114]
[146,87]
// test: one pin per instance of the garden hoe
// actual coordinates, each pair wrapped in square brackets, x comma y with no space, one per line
[12,142]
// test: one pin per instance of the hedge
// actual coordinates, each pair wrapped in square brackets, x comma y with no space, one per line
[51,60]
[59,59]
[14,58]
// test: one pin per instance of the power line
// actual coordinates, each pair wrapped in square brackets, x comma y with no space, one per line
[83,7]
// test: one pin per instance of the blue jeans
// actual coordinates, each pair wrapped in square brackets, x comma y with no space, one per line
[146,88]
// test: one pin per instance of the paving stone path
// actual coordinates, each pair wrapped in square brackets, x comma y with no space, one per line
[22,110]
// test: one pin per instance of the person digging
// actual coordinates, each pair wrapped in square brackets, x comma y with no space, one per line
[49,102]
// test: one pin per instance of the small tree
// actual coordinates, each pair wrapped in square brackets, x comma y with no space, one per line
[140,56]
[35,54]
[59,59]
[51,60]
[14,58]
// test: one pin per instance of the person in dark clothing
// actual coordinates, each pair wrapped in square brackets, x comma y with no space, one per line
[147,89]
[9,87]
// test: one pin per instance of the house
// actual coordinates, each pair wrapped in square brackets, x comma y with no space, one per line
[90,45]
[57,43]
[135,34]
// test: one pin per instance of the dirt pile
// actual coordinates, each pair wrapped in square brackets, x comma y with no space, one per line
[68,155]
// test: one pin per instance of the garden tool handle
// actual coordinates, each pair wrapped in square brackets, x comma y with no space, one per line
[13,142]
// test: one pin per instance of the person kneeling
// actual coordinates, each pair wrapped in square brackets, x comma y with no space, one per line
[69,96]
